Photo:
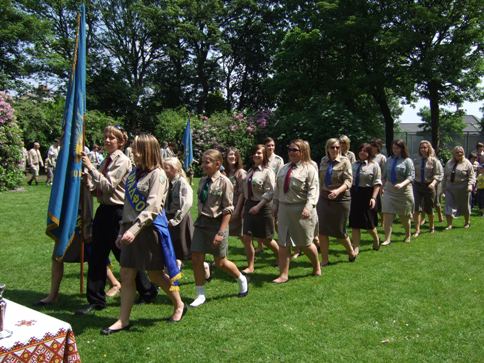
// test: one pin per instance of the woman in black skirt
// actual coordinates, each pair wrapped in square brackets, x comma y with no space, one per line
[364,191]
[258,193]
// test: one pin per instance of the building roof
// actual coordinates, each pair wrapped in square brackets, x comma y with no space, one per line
[472,126]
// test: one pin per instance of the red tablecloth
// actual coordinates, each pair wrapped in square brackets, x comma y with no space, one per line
[36,337]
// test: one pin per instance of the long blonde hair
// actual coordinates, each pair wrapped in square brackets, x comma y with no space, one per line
[175,164]
[431,149]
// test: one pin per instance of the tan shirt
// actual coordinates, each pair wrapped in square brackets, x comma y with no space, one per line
[179,200]
[464,173]
[220,196]
[154,187]
[34,157]
[370,174]
[303,185]
[381,160]
[350,155]
[237,181]
[342,173]
[276,163]
[111,184]
[433,170]
[263,184]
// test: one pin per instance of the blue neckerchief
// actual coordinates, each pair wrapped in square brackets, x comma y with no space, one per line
[329,173]
[393,172]
[160,225]
[422,170]
[357,174]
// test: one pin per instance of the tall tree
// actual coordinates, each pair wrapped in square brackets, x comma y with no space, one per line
[446,59]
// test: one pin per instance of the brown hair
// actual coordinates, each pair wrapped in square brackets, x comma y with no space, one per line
[119,133]
[265,158]
[238,160]
[147,149]
[269,139]
[303,149]
[403,147]
[378,143]
[368,149]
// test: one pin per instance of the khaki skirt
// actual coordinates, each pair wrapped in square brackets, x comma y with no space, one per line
[260,225]
[457,200]
[181,236]
[397,201]
[333,215]
[292,226]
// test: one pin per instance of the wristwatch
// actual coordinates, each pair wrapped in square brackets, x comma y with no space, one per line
[220,233]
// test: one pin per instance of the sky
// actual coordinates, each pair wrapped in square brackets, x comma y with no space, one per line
[409,114]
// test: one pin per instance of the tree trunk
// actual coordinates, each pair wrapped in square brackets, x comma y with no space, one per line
[434,114]
[380,98]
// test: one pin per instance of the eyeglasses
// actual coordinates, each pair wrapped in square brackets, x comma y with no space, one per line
[334,147]
[293,149]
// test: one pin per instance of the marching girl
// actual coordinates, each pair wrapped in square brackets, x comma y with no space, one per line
[177,207]
[258,192]
[428,174]
[365,190]
[295,198]
[143,233]
[211,227]
[234,169]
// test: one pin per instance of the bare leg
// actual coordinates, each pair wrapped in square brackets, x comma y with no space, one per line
[250,253]
[228,266]
[376,240]
[431,222]
[161,279]
[284,260]
[387,227]
[113,281]
[312,252]
[356,237]
[324,244]
[439,213]
[449,219]
[272,245]
[467,220]
[57,272]
[128,294]
[349,248]
[417,220]
[198,269]
[407,224]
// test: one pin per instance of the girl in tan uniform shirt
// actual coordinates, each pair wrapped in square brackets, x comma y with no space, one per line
[137,239]
[295,199]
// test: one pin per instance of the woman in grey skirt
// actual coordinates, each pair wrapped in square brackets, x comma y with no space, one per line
[459,179]
[295,199]
[397,190]
[258,192]
[428,174]
[335,177]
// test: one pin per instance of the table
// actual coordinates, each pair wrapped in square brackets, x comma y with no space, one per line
[36,337]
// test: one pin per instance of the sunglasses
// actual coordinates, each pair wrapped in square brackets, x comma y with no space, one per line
[334,147]
[293,149]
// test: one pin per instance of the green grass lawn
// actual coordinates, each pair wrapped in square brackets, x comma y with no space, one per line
[414,302]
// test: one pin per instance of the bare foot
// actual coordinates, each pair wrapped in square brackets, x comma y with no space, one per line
[113,291]
[317,272]
[280,280]
[178,313]
[247,271]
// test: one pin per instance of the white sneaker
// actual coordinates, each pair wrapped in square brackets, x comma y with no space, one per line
[198,301]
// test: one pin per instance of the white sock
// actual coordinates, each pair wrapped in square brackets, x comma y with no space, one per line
[242,283]
[200,297]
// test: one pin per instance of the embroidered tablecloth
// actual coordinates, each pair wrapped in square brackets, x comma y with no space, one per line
[36,337]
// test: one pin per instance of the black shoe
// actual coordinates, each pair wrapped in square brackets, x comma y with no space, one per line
[89,309]
[185,309]
[244,294]
[108,331]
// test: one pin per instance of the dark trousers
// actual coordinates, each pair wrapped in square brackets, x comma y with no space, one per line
[105,230]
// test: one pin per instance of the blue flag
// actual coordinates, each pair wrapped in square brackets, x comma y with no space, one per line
[187,146]
[63,212]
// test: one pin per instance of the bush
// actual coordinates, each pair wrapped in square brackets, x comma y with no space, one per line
[10,146]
